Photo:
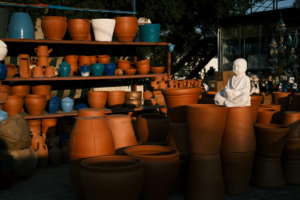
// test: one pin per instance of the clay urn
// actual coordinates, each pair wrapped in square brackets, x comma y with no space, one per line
[292,120]
[35,103]
[90,112]
[79,29]
[125,28]
[147,95]
[54,28]
[7,88]
[13,104]
[295,106]
[256,100]
[11,70]
[283,99]
[104,59]
[266,115]
[42,153]
[291,171]
[115,99]
[97,99]
[55,155]
[18,89]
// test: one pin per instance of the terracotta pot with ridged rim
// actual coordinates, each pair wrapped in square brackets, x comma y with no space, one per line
[79,29]
[35,103]
[13,105]
[90,112]
[266,116]
[161,167]
[125,28]
[115,99]
[292,119]
[177,98]
[97,99]
[54,28]
[114,177]
[256,100]
[283,99]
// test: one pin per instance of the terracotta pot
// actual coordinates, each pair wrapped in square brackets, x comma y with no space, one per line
[3,95]
[157,70]
[11,70]
[42,51]
[129,71]
[42,89]
[123,66]
[147,95]
[270,139]
[239,133]
[35,140]
[256,100]
[54,28]
[283,99]
[55,155]
[133,95]
[38,71]
[292,119]
[6,88]
[274,106]
[36,131]
[20,90]
[276,117]
[115,99]
[295,106]
[84,60]
[152,128]
[114,177]
[291,149]
[97,99]
[177,98]
[35,103]
[143,71]
[125,28]
[97,137]
[103,59]
[73,61]
[143,62]
[136,103]
[90,112]
[161,167]
[93,59]
[267,174]
[79,29]
[291,171]
[43,61]
[34,122]
[205,180]
[237,169]
[158,78]
[205,138]
[42,152]
[13,105]
[49,122]
[266,116]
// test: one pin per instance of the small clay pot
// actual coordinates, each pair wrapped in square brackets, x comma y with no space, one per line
[42,89]
[292,119]
[291,149]
[123,66]
[49,122]
[283,99]
[84,60]
[34,122]
[90,112]
[147,95]
[97,99]
[266,116]
[291,171]
[129,71]
[35,103]
[115,99]
[36,138]
[11,70]
[143,62]
[143,71]
[157,70]
[6,88]
[103,59]
[256,100]
[13,104]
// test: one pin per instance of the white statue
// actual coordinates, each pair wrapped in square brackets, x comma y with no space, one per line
[237,91]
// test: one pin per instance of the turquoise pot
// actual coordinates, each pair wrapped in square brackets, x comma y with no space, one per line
[21,26]
[97,69]
[64,69]
[150,32]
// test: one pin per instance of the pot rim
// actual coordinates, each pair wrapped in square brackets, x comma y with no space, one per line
[133,151]
[103,19]
[274,127]
[268,110]
[35,95]
[180,91]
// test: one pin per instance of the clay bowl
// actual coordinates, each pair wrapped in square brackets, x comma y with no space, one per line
[129,71]
[143,71]
[123,66]
[157,70]
[143,67]
[123,61]
[143,62]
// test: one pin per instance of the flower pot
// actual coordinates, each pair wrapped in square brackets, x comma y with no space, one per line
[109,69]
[34,122]
[125,28]
[97,99]
[115,99]
[35,103]
[256,100]
[85,70]
[64,69]
[291,149]
[205,138]
[4,22]
[79,29]
[283,99]
[84,60]
[161,167]
[295,106]
[54,28]
[150,32]
[103,29]
[292,120]
[73,61]
[177,98]
[114,177]
[20,26]
[11,70]
[104,59]
[97,69]
[13,105]
[42,89]
[21,90]
[90,112]
[266,116]
[291,171]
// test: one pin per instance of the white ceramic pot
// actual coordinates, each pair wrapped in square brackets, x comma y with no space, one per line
[103,29]
[3,50]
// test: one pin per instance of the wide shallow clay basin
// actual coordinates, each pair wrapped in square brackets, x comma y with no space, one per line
[157,70]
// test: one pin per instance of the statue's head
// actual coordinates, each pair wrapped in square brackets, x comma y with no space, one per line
[239,66]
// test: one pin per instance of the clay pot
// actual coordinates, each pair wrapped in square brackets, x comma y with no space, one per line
[42,51]
[291,171]
[93,59]
[35,140]
[55,155]
[266,116]
[90,112]
[152,128]
[6,88]
[79,29]
[13,105]
[20,90]
[115,99]
[161,167]
[35,131]
[114,177]
[178,139]
[125,28]
[143,71]
[35,103]
[129,71]
[65,153]
[158,78]
[43,61]
[256,100]
[73,61]
[34,122]
[283,99]
[147,95]
[292,120]
[143,62]
[295,105]
[133,95]
[205,180]
[103,59]
[50,71]
[38,71]
[42,89]
[49,122]
[205,138]
[237,169]
[54,28]
[270,139]
[3,95]
[136,103]
[42,152]
[90,137]
[123,66]
[97,99]
[11,70]
[176,99]
[84,60]
[267,174]
[157,70]
[291,149]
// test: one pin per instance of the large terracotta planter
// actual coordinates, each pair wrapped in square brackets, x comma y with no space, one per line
[205,125]
[237,169]
[161,167]
[205,179]
[267,174]
[20,90]
[295,104]
[152,128]
[125,28]
[115,99]
[256,100]
[291,149]
[13,105]
[283,99]
[177,98]
[270,139]
[274,106]
[266,116]
[79,29]
[97,99]
[90,112]
[112,177]
[292,119]
[54,28]
[35,103]
[239,133]
[291,171]
[42,89]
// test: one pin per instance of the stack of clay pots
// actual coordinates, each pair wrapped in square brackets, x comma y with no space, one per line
[43,69]
[133,99]
[143,66]
[267,171]
[98,99]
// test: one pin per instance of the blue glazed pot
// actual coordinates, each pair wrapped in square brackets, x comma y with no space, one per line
[79,106]
[21,26]
[150,32]
[110,69]
[67,104]
[97,69]
[64,69]
[3,71]
[3,115]
[85,70]
[4,16]
[54,105]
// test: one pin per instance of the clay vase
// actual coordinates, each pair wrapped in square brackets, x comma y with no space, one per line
[13,105]
[24,70]
[176,99]
[104,59]
[35,103]
[20,90]
[178,139]
[42,152]
[122,131]
[42,89]
[65,152]
[295,105]
[115,177]
[291,171]
[152,128]
[55,155]
[125,28]
[205,179]
[97,99]
[237,169]
[34,122]
[205,138]
[292,120]
[161,167]
[207,98]
[147,95]
[79,29]
[84,60]
[270,139]
[72,60]
[239,133]
[291,149]
[35,140]
[54,28]
[266,116]
[90,112]
[283,99]
[267,174]
[256,100]
[115,99]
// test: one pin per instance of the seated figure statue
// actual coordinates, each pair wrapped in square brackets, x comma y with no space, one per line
[237,91]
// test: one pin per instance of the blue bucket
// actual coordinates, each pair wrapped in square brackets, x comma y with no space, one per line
[150,32]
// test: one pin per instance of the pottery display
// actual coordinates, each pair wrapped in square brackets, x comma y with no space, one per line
[266,116]
[11,70]
[24,65]
[3,23]
[79,29]
[67,104]
[72,60]
[292,120]
[97,69]
[109,69]
[125,28]
[21,26]
[54,27]
[55,155]
[35,103]
[13,104]
[85,70]
[150,32]
[42,152]
[104,59]
[115,99]
[283,99]
[103,29]
[291,171]
[90,112]
[97,99]
[256,100]
[291,149]
[64,69]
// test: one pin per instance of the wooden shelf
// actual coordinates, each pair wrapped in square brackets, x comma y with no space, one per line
[74,113]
